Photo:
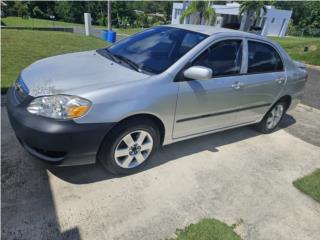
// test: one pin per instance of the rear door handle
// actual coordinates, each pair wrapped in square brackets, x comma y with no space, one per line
[237,85]
[280,80]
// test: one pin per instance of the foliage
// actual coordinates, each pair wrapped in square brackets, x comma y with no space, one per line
[123,14]
[207,229]
[21,48]
[22,9]
[253,10]
[252,6]
[203,9]
[305,17]
[37,13]
[295,48]
[310,185]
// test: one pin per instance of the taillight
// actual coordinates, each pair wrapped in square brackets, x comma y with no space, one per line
[306,77]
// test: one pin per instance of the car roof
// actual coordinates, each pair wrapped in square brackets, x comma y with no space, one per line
[211,30]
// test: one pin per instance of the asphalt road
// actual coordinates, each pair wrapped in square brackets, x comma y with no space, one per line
[233,175]
[312,90]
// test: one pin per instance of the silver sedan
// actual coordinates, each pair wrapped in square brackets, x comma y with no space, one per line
[163,85]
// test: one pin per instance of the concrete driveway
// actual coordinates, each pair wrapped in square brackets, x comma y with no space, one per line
[238,176]
[235,176]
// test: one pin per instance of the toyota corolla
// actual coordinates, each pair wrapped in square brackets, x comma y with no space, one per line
[166,84]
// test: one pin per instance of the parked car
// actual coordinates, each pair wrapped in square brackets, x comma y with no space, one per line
[163,85]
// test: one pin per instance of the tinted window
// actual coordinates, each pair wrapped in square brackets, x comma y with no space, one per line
[156,49]
[263,58]
[224,58]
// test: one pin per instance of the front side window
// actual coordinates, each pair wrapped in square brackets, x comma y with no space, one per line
[263,58]
[224,58]
[156,49]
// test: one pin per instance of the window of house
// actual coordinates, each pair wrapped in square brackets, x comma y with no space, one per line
[177,13]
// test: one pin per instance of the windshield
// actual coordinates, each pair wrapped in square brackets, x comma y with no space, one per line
[156,49]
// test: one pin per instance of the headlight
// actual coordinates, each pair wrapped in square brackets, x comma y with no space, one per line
[59,106]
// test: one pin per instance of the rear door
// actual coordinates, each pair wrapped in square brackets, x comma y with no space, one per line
[264,80]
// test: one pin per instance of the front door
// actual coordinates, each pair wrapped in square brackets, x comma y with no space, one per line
[206,105]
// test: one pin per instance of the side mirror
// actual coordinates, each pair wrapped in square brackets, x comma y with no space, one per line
[198,73]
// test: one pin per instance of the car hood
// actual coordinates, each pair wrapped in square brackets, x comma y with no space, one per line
[65,73]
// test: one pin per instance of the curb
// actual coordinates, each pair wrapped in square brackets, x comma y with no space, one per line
[54,29]
[313,66]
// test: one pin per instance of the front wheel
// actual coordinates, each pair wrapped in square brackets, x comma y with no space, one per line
[272,119]
[129,146]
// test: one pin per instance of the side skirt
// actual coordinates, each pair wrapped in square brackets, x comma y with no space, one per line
[174,140]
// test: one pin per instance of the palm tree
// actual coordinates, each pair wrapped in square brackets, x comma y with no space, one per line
[253,10]
[206,12]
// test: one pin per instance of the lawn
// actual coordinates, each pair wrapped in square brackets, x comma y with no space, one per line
[207,229]
[20,48]
[295,48]
[310,185]
[34,22]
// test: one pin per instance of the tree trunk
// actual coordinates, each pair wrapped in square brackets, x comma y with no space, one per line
[109,15]
[248,21]
[200,17]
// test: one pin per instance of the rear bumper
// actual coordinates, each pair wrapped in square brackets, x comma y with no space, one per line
[62,142]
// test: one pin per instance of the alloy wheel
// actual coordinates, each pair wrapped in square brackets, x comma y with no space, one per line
[275,116]
[133,149]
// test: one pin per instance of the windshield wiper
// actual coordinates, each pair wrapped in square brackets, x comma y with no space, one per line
[110,55]
[131,63]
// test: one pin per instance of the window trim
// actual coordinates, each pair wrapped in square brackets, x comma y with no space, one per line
[270,45]
[180,78]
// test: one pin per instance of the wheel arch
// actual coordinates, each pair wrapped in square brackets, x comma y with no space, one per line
[156,120]
[285,98]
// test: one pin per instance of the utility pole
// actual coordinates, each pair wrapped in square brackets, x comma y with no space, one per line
[109,15]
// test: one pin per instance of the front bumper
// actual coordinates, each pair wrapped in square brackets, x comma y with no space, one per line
[62,142]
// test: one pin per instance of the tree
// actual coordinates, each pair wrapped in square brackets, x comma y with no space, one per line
[203,9]
[70,11]
[22,9]
[37,13]
[251,10]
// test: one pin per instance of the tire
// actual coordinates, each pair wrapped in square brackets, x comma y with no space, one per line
[264,126]
[115,145]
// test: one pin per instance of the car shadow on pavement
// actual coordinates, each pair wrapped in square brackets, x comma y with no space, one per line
[93,173]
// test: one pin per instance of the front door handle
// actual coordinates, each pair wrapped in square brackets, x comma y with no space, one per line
[237,85]
[280,80]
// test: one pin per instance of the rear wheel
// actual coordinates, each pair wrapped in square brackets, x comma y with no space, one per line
[129,146]
[273,117]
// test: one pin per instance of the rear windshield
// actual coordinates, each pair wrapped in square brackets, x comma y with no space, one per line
[156,49]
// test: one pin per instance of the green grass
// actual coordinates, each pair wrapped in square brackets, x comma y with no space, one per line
[34,22]
[310,185]
[295,46]
[207,229]
[20,48]
[128,31]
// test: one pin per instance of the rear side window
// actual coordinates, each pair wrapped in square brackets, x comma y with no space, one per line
[224,58]
[263,58]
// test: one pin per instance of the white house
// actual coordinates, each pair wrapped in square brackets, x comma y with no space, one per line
[273,23]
